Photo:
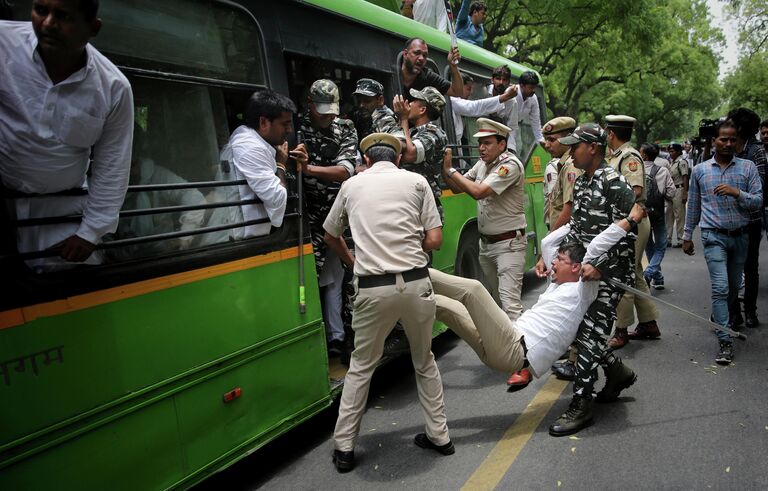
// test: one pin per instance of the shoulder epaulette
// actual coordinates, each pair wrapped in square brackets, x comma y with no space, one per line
[610,174]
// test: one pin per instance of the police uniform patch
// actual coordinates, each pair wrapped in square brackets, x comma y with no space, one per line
[632,166]
[503,171]
[571,177]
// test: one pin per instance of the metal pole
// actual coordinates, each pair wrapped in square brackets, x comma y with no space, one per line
[300,191]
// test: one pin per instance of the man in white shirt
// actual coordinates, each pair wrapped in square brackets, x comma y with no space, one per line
[257,152]
[543,332]
[463,106]
[509,114]
[62,101]
[528,106]
[431,13]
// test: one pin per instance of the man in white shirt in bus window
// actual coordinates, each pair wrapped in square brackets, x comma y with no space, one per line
[65,110]
[528,105]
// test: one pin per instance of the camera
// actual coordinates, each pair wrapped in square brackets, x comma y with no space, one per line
[707,129]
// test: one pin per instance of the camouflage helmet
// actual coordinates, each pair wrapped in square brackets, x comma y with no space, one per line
[431,97]
[587,132]
[368,87]
[325,95]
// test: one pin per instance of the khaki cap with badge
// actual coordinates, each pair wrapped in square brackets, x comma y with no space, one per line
[325,95]
[430,96]
[558,125]
[619,121]
[587,132]
[489,127]
[380,139]
[368,87]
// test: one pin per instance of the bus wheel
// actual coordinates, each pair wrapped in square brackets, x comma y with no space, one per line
[467,255]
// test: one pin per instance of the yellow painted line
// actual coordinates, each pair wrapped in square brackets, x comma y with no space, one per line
[497,463]
[22,315]
[531,180]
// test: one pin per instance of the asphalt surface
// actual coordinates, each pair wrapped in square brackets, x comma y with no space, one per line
[686,424]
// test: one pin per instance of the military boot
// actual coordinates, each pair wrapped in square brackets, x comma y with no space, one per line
[618,377]
[577,417]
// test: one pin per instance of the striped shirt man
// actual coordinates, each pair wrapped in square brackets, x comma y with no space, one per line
[711,211]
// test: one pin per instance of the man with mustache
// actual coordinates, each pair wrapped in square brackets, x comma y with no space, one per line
[66,122]
[415,75]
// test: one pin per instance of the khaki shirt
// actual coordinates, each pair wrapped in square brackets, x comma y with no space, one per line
[388,210]
[626,159]
[562,192]
[503,211]
[679,171]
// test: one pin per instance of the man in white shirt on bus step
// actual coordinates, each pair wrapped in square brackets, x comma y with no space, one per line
[62,101]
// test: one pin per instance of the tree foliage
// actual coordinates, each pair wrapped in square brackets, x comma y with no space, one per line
[747,85]
[653,59]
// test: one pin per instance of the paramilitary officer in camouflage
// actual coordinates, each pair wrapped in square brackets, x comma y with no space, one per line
[627,160]
[601,198]
[423,141]
[331,144]
[371,114]
[675,214]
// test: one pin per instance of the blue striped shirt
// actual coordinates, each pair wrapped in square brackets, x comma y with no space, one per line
[708,210]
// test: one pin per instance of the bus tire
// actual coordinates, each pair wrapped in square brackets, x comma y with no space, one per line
[467,255]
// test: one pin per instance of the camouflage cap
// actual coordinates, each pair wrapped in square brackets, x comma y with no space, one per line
[325,95]
[619,121]
[384,139]
[369,87]
[587,132]
[558,125]
[431,97]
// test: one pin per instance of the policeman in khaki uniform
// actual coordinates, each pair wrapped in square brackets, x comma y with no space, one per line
[394,223]
[675,213]
[496,181]
[627,161]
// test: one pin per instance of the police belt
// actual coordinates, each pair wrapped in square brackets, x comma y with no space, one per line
[391,278]
[492,239]
[736,232]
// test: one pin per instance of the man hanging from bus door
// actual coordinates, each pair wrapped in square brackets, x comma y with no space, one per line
[331,145]
[497,183]
[414,74]
[49,75]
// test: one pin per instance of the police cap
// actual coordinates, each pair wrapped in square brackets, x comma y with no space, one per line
[558,125]
[489,127]
[619,121]
[384,139]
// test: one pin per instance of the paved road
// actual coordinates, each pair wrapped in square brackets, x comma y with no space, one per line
[686,424]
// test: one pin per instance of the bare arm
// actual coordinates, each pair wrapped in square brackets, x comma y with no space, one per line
[565,215]
[433,239]
[457,83]
[402,107]
[339,246]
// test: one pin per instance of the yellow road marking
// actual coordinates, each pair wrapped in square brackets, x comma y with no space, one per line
[488,475]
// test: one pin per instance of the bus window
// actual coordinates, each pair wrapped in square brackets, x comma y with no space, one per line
[201,39]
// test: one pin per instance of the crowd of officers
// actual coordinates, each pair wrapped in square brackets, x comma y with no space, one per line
[393,204]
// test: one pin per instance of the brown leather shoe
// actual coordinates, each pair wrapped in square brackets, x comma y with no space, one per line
[619,339]
[519,380]
[645,330]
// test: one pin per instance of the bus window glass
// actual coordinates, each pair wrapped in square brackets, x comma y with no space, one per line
[200,39]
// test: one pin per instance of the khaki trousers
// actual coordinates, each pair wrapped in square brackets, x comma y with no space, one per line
[646,309]
[467,308]
[503,264]
[376,310]
[675,216]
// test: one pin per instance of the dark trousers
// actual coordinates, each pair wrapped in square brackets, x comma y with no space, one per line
[751,281]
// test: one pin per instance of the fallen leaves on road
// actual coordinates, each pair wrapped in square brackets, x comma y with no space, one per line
[574,438]
[573,449]
[728,469]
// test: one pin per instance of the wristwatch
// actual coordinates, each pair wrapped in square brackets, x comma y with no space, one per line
[632,222]
[451,172]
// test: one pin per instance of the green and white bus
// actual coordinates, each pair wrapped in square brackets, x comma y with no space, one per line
[176,357]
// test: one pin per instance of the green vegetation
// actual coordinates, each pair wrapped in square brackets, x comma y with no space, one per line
[747,85]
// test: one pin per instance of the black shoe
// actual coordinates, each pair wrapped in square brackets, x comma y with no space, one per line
[344,461]
[396,343]
[577,417]
[423,441]
[678,245]
[725,356]
[751,319]
[737,321]
[657,284]
[618,377]
[335,348]
[566,371]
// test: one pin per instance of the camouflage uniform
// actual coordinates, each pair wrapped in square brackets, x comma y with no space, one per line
[598,203]
[433,140]
[382,120]
[336,145]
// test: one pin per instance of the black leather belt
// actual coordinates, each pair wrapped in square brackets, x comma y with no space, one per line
[391,278]
[492,239]
[678,185]
[736,232]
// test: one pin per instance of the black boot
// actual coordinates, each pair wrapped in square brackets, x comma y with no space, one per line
[618,377]
[577,417]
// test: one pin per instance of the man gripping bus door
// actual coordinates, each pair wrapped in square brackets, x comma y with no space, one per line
[414,74]
[545,330]
[61,102]
[394,222]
